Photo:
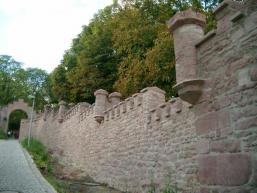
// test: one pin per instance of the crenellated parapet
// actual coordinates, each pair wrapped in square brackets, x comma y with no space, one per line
[123,108]
[89,111]
[204,140]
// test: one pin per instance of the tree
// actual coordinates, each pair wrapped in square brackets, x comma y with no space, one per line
[125,47]
[9,68]
[91,62]
[37,83]
[18,83]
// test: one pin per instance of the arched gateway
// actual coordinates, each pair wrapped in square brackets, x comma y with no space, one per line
[6,111]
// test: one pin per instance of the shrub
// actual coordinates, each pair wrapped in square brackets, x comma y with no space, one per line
[39,154]
[2,134]
[45,163]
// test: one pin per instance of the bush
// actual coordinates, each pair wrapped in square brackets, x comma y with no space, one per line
[44,162]
[2,134]
[39,154]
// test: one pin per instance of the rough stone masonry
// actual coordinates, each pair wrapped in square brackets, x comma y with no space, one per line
[204,141]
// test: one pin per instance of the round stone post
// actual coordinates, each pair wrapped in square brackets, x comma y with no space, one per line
[115,98]
[187,29]
[46,111]
[62,109]
[101,99]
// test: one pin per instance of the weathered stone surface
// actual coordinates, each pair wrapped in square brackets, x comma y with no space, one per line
[253,74]
[246,123]
[225,169]
[203,146]
[132,146]
[230,145]
[213,121]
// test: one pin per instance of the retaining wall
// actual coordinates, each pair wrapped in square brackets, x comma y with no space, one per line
[207,145]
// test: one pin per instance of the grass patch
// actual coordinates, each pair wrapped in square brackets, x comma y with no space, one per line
[2,134]
[169,188]
[45,163]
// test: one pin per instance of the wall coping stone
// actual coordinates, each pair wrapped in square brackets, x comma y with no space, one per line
[101,92]
[115,94]
[208,36]
[220,7]
[156,89]
[186,17]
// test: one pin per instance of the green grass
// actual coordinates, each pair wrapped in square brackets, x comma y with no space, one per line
[45,163]
[2,134]
[169,188]
[39,154]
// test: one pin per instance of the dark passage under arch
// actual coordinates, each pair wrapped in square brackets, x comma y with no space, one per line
[14,121]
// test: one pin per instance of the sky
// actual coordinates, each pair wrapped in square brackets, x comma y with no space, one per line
[37,32]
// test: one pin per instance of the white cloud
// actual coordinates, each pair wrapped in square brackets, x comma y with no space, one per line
[37,32]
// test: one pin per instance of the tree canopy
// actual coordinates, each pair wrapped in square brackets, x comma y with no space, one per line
[125,48]
[18,83]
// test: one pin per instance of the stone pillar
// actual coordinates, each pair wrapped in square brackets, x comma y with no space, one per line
[46,111]
[71,105]
[187,29]
[83,106]
[115,98]
[152,98]
[101,100]
[62,110]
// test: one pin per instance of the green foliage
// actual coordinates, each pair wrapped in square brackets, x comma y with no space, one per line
[18,83]
[15,118]
[39,154]
[90,64]
[9,68]
[171,189]
[2,134]
[44,162]
[58,185]
[125,47]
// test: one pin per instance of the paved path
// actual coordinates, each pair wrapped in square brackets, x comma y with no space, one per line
[18,172]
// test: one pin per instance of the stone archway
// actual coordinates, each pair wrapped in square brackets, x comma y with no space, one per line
[6,111]
[14,122]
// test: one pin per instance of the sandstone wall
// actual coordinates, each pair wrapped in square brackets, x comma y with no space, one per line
[207,146]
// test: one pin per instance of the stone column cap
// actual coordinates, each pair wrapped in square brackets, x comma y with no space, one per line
[154,88]
[62,102]
[72,104]
[186,17]
[115,94]
[84,103]
[101,92]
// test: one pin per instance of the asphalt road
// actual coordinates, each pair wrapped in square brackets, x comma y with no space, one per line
[18,172]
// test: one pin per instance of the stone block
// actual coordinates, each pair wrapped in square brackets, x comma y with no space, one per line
[213,121]
[206,123]
[231,146]
[225,169]
[246,123]
[253,74]
[223,119]
[203,146]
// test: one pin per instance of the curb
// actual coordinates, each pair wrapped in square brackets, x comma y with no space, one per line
[45,186]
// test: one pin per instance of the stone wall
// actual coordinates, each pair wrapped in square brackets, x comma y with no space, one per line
[205,141]
[6,111]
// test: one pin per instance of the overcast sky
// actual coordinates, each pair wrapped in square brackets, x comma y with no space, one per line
[37,32]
